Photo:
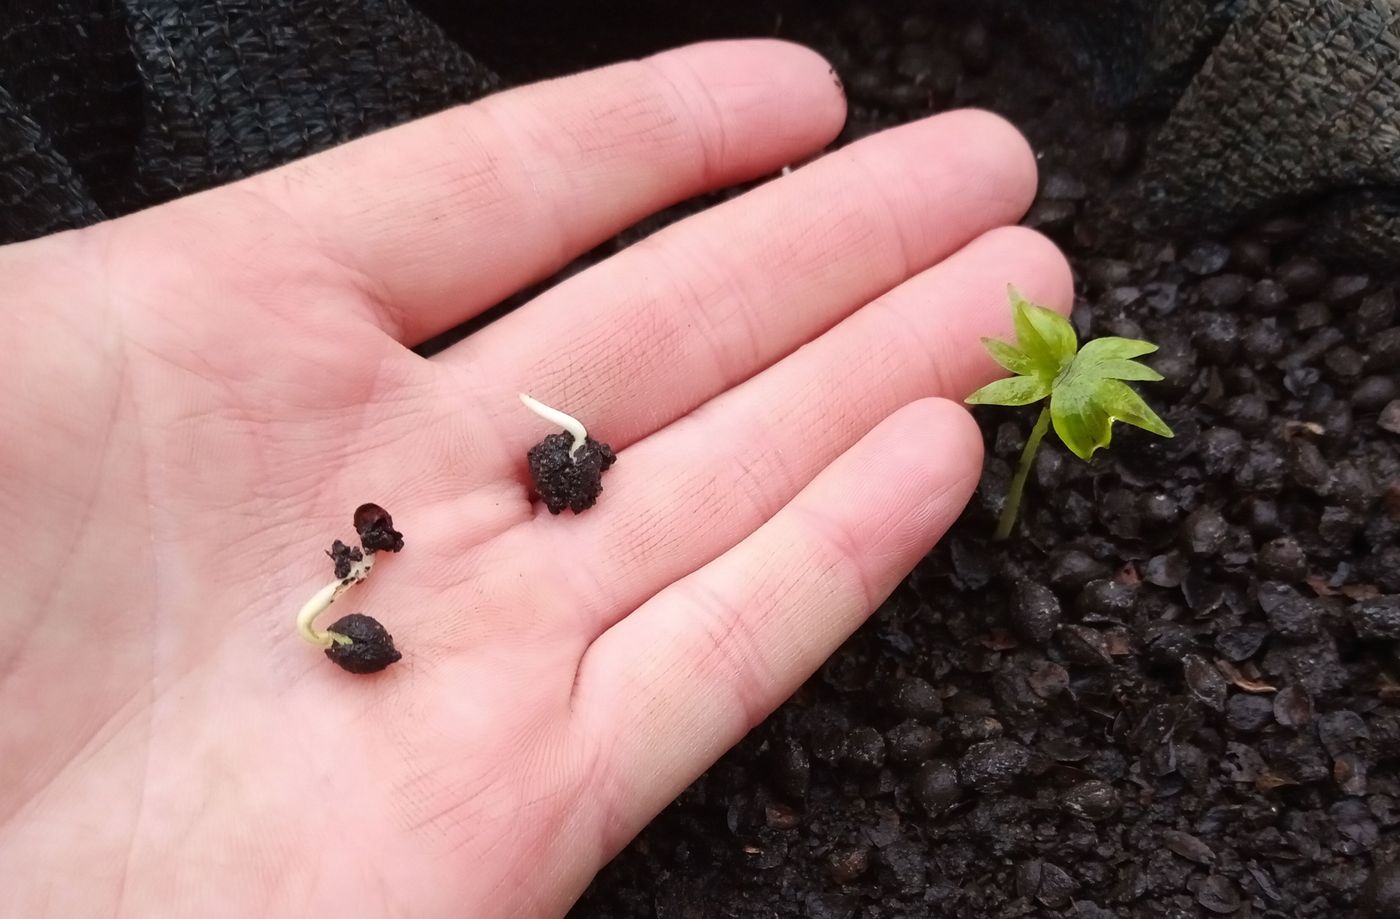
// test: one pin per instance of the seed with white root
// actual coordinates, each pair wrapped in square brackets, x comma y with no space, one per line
[560,419]
[322,600]
[567,469]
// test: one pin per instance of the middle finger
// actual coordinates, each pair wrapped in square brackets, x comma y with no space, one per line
[684,496]
[647,336]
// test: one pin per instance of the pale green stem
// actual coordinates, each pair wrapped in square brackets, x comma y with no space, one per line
[323,598]
[1018,483]
[565,421]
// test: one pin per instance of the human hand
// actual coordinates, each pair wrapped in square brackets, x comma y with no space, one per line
[196,397]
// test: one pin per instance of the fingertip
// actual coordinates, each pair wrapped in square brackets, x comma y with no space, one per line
[1002,151]
[948,443]
[1043,274]
[782,98]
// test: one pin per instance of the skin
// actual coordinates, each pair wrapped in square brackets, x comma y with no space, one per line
[196,397]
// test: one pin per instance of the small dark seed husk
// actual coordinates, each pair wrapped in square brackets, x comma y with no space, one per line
[371,647]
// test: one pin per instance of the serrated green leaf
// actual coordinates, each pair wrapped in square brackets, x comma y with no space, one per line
[1044,335]
[1119,369]
[1122,403]
[1079,421]
[1007,356]
[1022,390]
[1114,348]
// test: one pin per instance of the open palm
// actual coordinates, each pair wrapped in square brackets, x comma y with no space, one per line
[195,398]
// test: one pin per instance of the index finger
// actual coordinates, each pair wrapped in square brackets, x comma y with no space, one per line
[444,217]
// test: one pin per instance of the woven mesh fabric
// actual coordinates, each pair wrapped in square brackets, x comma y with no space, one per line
[111,105]
[1298,105]
[107,106]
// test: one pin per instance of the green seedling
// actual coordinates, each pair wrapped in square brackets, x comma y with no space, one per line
[1085,385]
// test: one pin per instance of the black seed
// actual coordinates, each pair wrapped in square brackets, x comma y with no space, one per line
[1060,186]
[1241,642]
[1071,569]
[1308,467]
[1291,615]
[371,647]
[1268,296]
[1263,341]
[1206,258]
[1167,570]
[1219,895]
[1293,707]
[1376,312]
[1107,599]
[992,765]
[1217,335]
[376,529]
[910,743]
[791,767]
[865,750]
[1053,886]
[1249,712]
[1341,732]
[917,698]
[1281,229]
[1092,800]
[1085,646]
[1035,612]
[1251,255]
[1345,289]
[1302,276]
[564,481]
[1377,618]
[936,787]
[1224,291]
[1389,419]
[1204,681]
[1374,391]
[1204,532]
[1383,352]
[1248,412]
[344,557]
[1283,559]
[1048,680]
[1312,315]
[1261,516]
[1220,450]
[1380,898]
[1344,362]
[1160,509]
[848,863]
[1188,847]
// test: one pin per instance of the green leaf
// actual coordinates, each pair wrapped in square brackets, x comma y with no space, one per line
[1119,369]
[1009,357]
[1079,421]
[1044,335]
[1119,401]
[1021,390]
[1114,348]
[1085,385]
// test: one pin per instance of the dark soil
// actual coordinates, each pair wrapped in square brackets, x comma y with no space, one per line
[344,558]
[376,529]
[1176,690]
[569,480]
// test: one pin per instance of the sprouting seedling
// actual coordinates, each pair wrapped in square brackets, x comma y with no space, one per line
[567,469]
[1085,386]
[560,419]
[358,643]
